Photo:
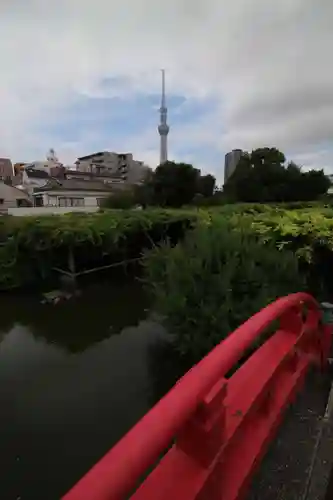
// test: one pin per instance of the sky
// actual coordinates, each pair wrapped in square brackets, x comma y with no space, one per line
[81,76]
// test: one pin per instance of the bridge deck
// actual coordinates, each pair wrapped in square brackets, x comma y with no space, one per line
[284,472]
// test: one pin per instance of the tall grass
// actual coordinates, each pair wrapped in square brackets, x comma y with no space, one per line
[215,279]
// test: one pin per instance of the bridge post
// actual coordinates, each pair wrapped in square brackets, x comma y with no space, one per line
[202,436]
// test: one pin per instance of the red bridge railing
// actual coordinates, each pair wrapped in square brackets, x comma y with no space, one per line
[219,428]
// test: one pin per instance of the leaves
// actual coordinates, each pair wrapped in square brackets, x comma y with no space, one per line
[214,280]
[263,176]
[32,244]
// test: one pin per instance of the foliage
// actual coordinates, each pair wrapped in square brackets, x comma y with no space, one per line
[30,247]
[304,228]
[218,198]
[120,200]
[175,184]
[206,185]
[262,176]
[215,279]
[144,192]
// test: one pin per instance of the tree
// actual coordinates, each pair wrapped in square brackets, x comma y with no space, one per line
[174,184]
[144,192]
[206,185]
[314,184]
[262,176]
[120,200]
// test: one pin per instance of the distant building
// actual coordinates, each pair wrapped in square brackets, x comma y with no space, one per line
[19,167]
[231,162]
[106,177]
[6,170]
[44,165]
[47,165]
[33,178]
[108,163]
[11,197]
[72,193]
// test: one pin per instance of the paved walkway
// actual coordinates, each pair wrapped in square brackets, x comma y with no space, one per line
[329,492]
[284,472]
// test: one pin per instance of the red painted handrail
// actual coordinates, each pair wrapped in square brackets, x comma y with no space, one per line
[222,427]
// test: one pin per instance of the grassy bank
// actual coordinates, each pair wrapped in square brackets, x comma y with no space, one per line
[307,232]
[208,269]
[237,260]
[215,279]
[31,248]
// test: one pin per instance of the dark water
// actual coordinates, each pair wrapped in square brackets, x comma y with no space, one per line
[73,379]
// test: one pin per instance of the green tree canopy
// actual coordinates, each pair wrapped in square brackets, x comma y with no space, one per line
[174,184]
[263,176]
[206,185]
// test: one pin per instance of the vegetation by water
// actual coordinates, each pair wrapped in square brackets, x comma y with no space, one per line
[32,247]
[214,280]
[233,261]
[307,231]
[237,260]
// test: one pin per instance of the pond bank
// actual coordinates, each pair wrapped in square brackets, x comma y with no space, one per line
[34,250]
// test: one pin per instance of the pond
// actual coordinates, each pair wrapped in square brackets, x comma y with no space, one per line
[74,378]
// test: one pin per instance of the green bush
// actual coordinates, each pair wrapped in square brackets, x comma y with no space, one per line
[122,200]
[216,200]
[207,285]
[31,247]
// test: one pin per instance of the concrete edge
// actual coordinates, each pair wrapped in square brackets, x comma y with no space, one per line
[319,471]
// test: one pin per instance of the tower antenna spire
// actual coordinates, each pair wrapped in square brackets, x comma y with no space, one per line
[163,88]
[163,127]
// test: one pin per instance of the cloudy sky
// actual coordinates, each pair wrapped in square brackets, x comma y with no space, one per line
[82,76]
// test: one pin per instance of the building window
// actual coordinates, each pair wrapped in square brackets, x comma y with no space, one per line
[2,201]
[77,202]
[39,201]
[71,202]
[23,203]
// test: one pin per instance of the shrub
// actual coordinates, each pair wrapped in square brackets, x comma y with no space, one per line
[216,200]
[207,285]
[122,200]
[31,247]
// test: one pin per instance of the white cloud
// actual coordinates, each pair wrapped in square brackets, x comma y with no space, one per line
[266,63]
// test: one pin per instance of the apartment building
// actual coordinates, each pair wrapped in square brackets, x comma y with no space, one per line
[115,164]
[231,161]
[6,170]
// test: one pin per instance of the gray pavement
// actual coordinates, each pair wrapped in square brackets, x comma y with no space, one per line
[297,464]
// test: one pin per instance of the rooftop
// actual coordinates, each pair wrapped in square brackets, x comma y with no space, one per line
[101,153]
[36,174]
[92,175]
[6,161]
[74,185]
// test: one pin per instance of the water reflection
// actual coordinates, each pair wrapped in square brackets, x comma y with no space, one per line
[74,378]
[102,310]
[165,368]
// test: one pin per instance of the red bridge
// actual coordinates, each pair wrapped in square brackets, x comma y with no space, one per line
[205,439]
